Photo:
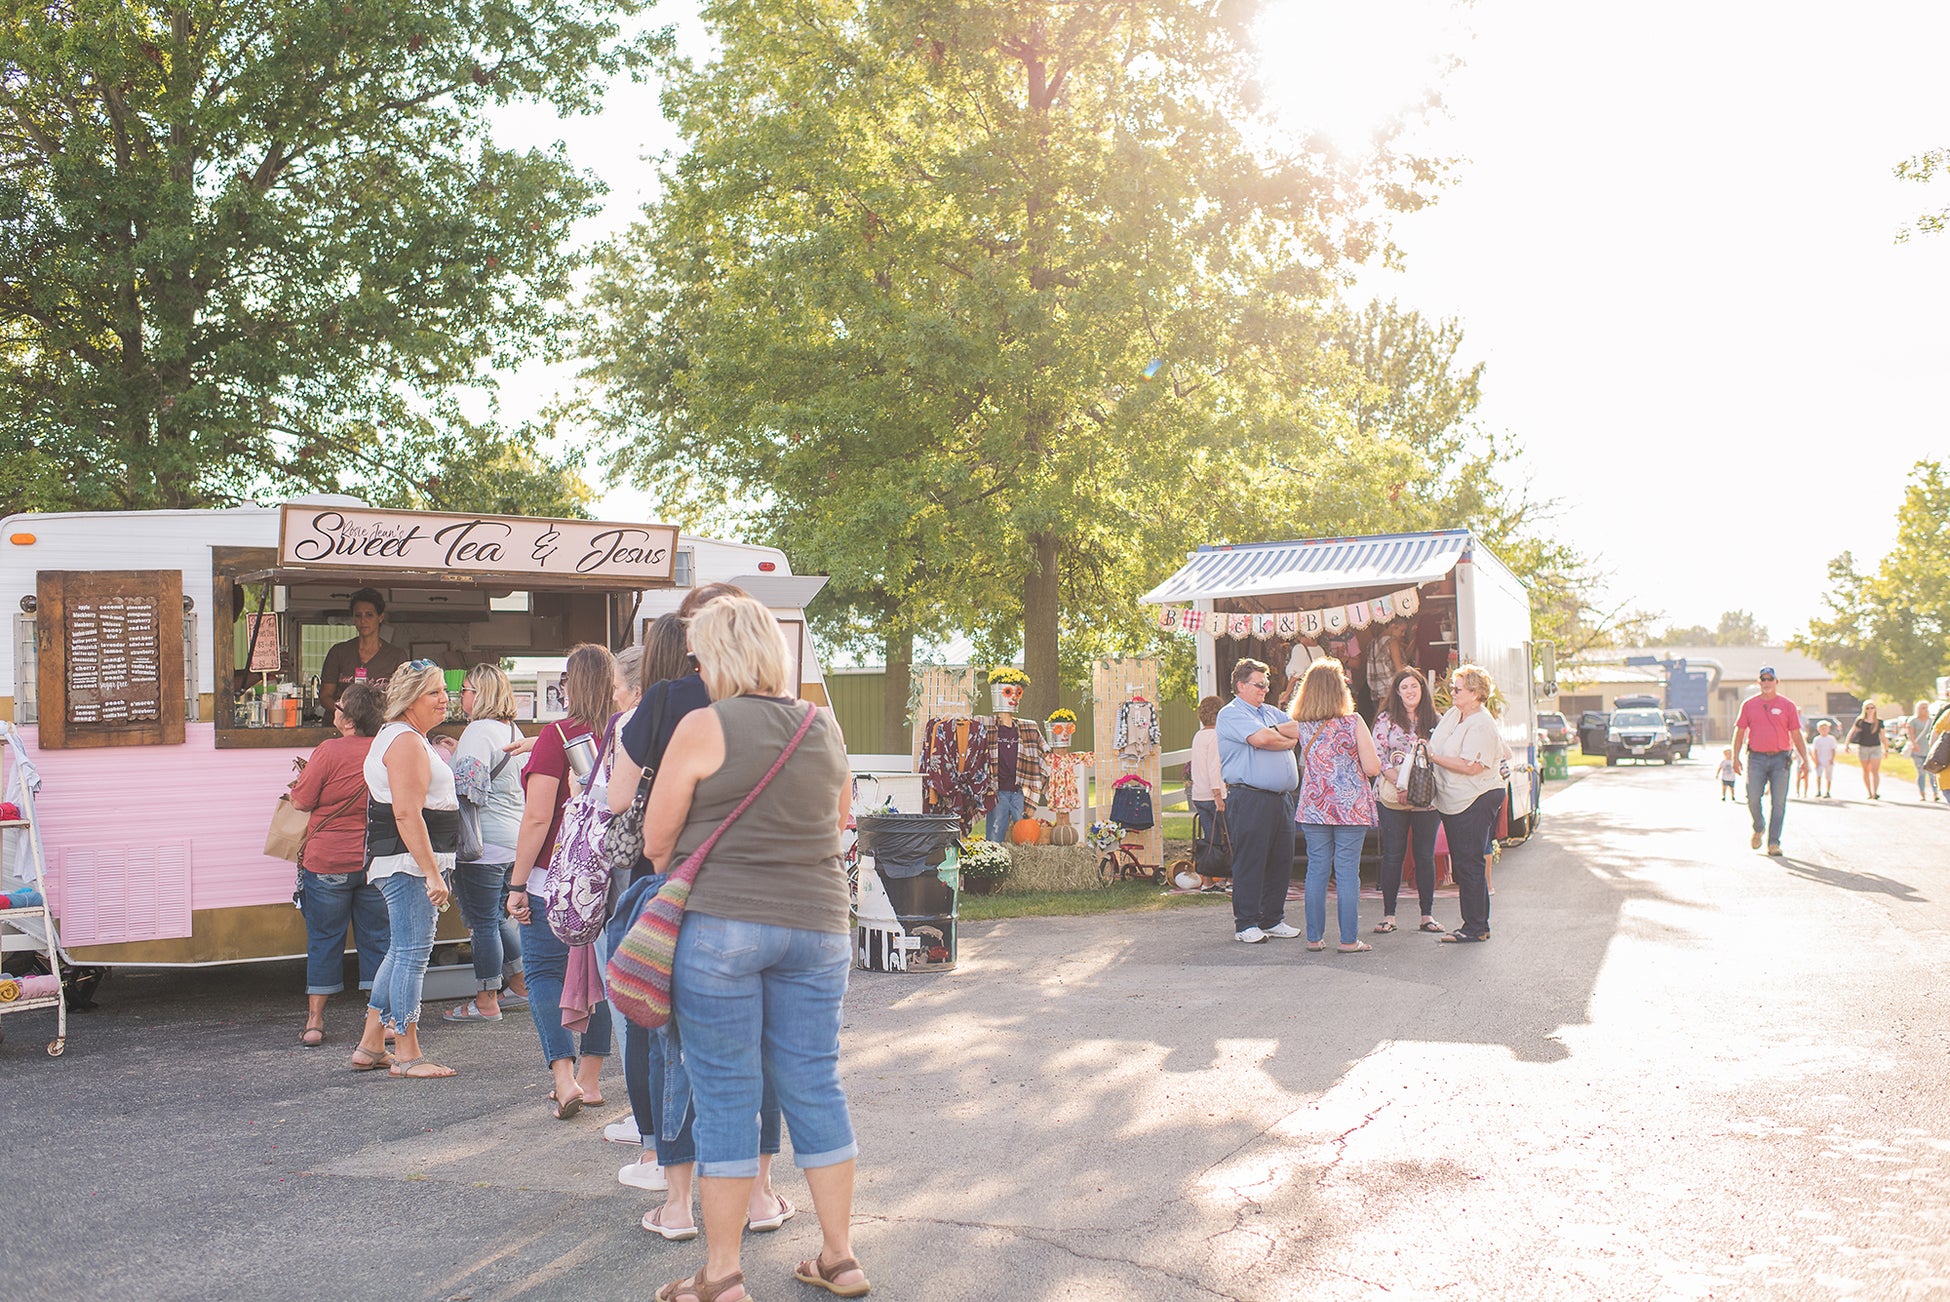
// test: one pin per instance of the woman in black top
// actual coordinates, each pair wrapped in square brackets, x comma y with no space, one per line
[1866,738]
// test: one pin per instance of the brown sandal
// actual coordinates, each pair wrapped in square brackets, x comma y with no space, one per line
[820,1276]
[704,1290]
[371,1061]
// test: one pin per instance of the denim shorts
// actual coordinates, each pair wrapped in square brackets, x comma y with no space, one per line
[755,1002]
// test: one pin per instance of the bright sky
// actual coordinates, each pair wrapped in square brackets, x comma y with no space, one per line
[1671,238]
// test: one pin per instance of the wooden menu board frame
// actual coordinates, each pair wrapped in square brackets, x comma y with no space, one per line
[62,597]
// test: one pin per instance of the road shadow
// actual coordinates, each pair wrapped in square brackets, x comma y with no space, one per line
[1867,883]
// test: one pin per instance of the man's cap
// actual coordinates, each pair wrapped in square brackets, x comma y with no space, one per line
[1767,671]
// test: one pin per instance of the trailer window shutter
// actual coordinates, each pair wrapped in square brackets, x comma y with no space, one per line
[24,670]
[109,652]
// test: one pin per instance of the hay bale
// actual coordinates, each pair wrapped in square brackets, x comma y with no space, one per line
[1051,868]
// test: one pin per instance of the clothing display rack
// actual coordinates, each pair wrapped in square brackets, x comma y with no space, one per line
[29,929]
[1113,683]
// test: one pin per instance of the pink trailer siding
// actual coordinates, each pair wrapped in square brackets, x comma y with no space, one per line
[138,836]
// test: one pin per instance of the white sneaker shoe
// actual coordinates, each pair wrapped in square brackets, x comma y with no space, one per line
[1283,931]
[1250,936]
[643,1175]
[623,1132]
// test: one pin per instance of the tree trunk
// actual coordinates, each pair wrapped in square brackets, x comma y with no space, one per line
[896,731]
[1042,614]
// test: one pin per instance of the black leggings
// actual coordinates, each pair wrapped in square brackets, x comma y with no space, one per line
[1469,833]
[1400,827]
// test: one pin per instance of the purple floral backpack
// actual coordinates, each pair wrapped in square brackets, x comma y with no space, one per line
[578,876]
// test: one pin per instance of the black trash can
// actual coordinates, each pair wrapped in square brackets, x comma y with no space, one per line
[916,860]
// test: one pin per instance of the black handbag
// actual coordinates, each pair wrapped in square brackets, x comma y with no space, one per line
[1939,756]
[1213,858]
[1420,793]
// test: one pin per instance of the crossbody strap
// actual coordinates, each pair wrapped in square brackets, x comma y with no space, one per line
[337,809]
[687,871]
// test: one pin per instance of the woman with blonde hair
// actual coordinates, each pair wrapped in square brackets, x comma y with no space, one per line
[1467,752]
[1338,765]
[488,778]
[1865,739]
[412,830]
[761,965]
[589,683]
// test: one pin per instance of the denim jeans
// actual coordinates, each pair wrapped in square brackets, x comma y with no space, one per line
[1924,776]
[1261,826]
[396,986]
[1207,813]
[481,890]
[1335,848]
[1469,863]
[545,962]
[331,901]
[1008,808]
[1401,829]
[1764,768]
[660,1088]
[753,1003]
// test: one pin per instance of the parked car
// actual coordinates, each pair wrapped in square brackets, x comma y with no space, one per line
[1680,725]
[1639,734]
[1552,729]
[1811,721]
[1594,726]
[1895,734]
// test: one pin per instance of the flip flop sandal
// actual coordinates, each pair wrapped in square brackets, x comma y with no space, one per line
[312,1036]
[1459,938]
[1358,947]
[820,1277]
[468,1012]
[672,1233]
[786,1212]
[1431,925]
[402,1069]
[564,1109]
[383,1059]
[1315,946]
[704,1290]
[1384,928]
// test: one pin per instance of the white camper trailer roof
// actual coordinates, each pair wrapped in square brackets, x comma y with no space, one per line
[1318,565]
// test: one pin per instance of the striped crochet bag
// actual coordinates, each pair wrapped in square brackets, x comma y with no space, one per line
[639,971]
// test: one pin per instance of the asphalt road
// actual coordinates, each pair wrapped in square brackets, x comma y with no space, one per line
[1680,1069]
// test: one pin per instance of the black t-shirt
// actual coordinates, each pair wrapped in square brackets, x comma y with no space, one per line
[657,715]
[1866,732]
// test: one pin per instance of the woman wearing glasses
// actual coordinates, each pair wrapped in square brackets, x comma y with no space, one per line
[412,831]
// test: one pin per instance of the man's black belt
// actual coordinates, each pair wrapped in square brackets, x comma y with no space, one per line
[1265,791]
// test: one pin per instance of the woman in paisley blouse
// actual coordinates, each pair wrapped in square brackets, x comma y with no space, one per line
[1406,717]
[1337,767]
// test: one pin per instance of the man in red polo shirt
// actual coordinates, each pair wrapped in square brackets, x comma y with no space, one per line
[1770,727]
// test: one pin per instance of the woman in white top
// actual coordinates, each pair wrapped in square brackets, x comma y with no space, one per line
[488,778]
[1207,790]
[412,828]
[1468,755]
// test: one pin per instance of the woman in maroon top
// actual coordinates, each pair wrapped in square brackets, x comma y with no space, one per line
[333,888]
[589,682]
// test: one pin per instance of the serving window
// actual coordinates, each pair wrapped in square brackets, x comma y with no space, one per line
[274,628]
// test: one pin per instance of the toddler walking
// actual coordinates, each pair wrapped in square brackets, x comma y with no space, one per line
[1726,777]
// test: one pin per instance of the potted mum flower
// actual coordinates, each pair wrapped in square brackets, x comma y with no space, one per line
[983,866]
[1006,684]
[1062,728]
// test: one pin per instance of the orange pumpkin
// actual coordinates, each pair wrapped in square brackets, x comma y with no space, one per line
[1026,831]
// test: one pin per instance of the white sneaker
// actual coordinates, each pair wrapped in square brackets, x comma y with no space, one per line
[643,1175]
[1250,936]
[623,1132]
[1283,931]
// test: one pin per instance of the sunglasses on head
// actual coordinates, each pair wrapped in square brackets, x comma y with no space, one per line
[421,664]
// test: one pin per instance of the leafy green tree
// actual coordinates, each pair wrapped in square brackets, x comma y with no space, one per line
[252,248]
[1030,281]
[1887,632]
[1924,168]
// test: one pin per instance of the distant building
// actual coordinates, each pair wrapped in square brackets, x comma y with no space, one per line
[1600,677]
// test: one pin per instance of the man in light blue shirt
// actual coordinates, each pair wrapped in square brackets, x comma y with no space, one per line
[1256,744]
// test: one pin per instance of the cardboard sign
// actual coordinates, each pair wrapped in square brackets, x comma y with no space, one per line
[265,655]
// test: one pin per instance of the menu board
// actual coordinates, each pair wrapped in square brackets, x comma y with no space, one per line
[114,672]
[110,650]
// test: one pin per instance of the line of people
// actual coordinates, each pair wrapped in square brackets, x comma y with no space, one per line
[760,974]
[1318,767]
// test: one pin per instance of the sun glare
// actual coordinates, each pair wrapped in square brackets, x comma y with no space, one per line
[1347,69]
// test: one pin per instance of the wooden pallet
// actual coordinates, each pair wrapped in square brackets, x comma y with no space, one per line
[1112,683]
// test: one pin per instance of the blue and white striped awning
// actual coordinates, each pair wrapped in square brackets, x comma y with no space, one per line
[1318,565]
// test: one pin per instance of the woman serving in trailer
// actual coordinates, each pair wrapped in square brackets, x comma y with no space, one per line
[367,658]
